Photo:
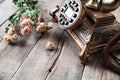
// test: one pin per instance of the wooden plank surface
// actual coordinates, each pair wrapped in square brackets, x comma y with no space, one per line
[41,63]
[12,56]
[68,66]
[35,66]
[95,70]
[29,60]
[7,8]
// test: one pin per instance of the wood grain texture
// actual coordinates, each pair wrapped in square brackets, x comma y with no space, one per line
[1,1]
[12,56]
[68,66]
[40,60]
[94,70]
[29,60]
[7,8]
[41,63]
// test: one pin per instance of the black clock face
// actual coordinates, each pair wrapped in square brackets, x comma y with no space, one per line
[69,13]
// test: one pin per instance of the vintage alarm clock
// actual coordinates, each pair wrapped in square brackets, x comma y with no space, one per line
[69,14]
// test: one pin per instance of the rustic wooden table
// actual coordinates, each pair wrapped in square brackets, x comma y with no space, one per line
[29,60]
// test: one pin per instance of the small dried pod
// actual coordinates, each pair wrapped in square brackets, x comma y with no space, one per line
[26,30]
[15,37]
[26,22]
[50,46]
[41,27]
[12,31]
[40,19]
[49,25]
[7,38]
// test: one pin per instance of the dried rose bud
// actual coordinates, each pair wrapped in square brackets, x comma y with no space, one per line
[41,27]
[25,17]
[15,37]
[49,25]
[50,46]
[7,38]
[40,19]
[26,30]
[11,31]
[26,22]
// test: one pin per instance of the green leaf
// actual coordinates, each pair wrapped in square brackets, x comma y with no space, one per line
[31,1]
[35,12]
[6,29]
[9,25]
[17,2]
[34,1]
[31,13]
[14,18]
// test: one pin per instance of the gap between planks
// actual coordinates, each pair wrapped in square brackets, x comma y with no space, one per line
[7,8]
[27,55]
[51,69]
[35,52]
[7,19]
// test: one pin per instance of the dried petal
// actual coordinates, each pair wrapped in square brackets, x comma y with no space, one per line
[27,22]
[7,38]
[26,30]
[41,27]
[50,46]
[11,31]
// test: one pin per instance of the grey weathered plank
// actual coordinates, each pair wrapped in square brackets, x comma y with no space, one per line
[7,8]
[36,65]
[3,45]
[63,64]
[95,70]
[12,56]
[1,1]
[68,66]
[41,63]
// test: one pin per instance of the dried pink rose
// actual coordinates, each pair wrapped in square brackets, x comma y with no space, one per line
[7,38]
[26,30]
[27,22]
[11,31]
[15,37]
[40,19]
[41,27]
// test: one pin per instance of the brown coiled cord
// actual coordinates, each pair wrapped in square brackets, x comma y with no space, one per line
[107,54]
